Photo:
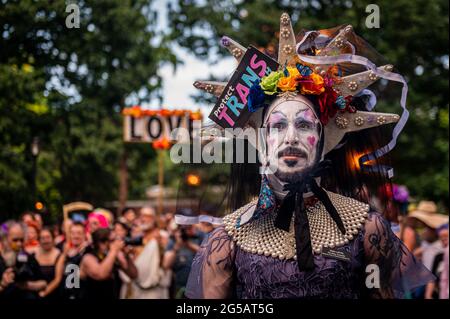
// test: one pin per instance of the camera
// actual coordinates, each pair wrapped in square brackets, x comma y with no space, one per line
[22,269]
[133,241]
[185,236]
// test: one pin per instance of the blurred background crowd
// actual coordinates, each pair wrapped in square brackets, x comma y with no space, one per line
[140,254]
[137,255]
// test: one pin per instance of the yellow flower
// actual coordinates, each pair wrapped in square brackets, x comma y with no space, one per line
[288,83]
[293,71]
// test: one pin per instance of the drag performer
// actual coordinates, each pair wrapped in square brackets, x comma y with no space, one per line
[310,233]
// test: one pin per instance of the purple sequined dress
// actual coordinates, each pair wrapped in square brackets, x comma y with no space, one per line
[221,269]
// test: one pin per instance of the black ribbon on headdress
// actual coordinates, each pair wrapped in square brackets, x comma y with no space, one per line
[293,205]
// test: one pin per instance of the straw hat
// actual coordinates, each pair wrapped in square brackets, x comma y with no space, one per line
[426,212]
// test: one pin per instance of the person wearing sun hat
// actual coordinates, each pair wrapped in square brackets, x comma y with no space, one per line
[427,216]
[438,288]
[427,213]
[426,219]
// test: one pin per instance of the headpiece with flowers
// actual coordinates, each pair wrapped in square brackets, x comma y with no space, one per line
[323,64]
[300,80]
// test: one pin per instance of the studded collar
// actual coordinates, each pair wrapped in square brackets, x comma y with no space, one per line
[252,226]
[266,203]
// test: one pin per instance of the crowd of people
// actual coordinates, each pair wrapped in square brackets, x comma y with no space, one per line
[138,255]
[424,231]
[142,255]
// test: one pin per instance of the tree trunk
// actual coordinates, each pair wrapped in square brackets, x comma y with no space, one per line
[123,182]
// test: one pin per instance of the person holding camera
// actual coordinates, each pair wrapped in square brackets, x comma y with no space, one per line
[101,263]
[122,231]
[153,281]
[20,273]
[179,255]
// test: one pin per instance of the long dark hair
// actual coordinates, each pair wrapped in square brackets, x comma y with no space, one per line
[47,229]
[99,236]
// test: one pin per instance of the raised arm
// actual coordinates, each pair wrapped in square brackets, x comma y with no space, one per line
[91,267]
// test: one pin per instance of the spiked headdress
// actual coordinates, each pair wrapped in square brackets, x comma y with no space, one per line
[327,66]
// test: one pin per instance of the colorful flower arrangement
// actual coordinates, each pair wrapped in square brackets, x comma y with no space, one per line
[301,79]
[137,111]
[162,143]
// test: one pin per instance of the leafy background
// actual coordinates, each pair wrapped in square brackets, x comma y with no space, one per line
[68,86]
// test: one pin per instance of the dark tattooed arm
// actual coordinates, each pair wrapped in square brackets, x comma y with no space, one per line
[397,269]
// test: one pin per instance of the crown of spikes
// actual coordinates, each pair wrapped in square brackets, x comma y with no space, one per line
[334,90]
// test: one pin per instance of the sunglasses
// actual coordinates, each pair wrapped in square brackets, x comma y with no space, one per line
[17,239]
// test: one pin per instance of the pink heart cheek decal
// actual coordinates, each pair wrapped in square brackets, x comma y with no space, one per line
[311,140]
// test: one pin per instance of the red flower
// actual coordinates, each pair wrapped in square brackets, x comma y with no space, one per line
[326,105]
[161,144]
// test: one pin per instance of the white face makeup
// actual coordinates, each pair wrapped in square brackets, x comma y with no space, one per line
[292,138]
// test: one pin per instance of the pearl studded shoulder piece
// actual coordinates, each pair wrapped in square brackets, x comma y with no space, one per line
[260,236]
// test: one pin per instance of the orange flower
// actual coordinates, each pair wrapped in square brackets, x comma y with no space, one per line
[156,144]
[334,70]
[165,144]
[165,112]
[288,83]
[134,111]
[312,85]
[197,115]
[161,144]
[152,112]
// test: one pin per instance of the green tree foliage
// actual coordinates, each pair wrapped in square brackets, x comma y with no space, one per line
[413,35]
[67,86]
[18,87]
